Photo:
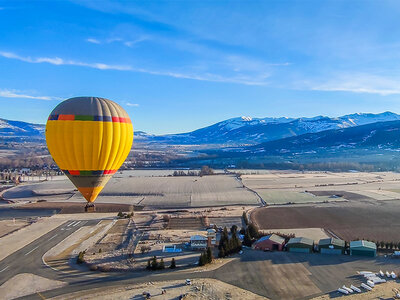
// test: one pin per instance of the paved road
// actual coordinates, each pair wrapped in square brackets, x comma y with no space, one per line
[29,258]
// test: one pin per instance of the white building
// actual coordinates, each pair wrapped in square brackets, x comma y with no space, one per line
[198,242]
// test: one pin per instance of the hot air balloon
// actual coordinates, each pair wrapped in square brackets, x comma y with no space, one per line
[89,138]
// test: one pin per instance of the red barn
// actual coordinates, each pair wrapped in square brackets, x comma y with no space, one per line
[270,242]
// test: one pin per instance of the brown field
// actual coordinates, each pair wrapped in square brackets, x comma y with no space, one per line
[186,223]
[379,222]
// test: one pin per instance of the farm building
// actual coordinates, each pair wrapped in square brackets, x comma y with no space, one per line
[362,248]
[300,244]
[270,242]
[331,246]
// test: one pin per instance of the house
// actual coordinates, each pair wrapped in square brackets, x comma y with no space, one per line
[300,244]
[270,242]
[198,242]
[363,248]
[331,246]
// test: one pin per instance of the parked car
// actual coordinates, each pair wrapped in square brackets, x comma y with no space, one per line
[188,282]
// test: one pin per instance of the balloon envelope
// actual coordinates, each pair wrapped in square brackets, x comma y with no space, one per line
[89,138]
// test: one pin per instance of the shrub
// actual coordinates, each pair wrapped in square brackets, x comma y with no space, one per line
[81,257]
[104,269]
[93,268]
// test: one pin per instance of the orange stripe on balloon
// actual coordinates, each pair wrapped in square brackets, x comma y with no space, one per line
[66,117]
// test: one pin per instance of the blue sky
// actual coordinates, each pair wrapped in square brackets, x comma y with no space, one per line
[176,66]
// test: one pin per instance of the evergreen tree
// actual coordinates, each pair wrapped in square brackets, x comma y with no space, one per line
[154,263]
[245,220]
[161,265]
[223,242]
[221,253]
[253,231]
[234,229]
[209,255]
[203,259]
[173,264]
[247,239]
[148,264]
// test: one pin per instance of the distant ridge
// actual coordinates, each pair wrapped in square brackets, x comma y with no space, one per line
[238,131]
[252,131]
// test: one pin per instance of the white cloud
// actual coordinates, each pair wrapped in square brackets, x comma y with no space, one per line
[252,79]
[132,104]
[93,41]
[5,93]
[59,61]
[359,83]
[127,43]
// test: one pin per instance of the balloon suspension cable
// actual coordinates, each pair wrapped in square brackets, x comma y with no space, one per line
[90,207]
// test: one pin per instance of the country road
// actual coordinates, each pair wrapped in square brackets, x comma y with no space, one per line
[29,258]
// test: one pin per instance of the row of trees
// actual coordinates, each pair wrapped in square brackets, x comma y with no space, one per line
[205,170]
[153,264]
[206,257]
[387,245]
[183,173]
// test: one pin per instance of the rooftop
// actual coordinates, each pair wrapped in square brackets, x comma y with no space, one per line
[301,240]
[198,237]
[272,237]
[362,243]
[332,241]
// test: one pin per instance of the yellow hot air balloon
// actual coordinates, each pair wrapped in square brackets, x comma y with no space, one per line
[89,138]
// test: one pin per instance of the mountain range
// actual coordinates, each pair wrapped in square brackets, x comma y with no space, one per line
[241,131]
[252,131]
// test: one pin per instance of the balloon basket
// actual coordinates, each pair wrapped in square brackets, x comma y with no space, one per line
[90,207]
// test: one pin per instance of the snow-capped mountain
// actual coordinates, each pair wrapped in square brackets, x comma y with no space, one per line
[247,130]
[17,129]
[232,132]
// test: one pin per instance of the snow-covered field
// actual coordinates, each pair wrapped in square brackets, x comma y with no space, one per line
[184,191]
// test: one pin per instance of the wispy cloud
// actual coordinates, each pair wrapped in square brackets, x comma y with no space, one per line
[5,93]
[132,104]
[93,41]
[252,79]
[359,83]
[126,42]
[59,61]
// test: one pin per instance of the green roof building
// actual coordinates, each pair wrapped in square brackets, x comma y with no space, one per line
[300,244]
[331,246]
[363,248]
